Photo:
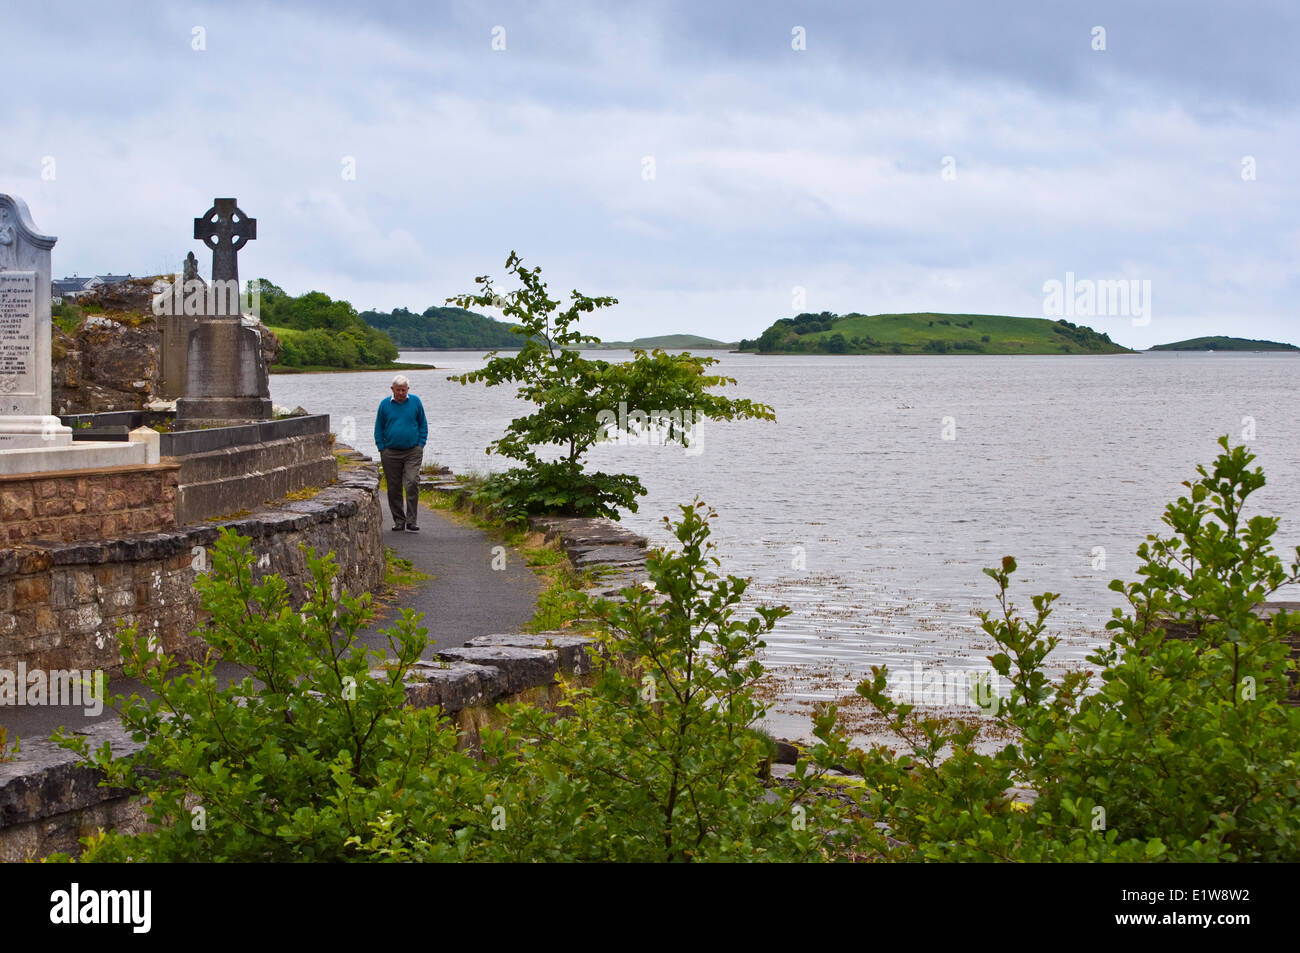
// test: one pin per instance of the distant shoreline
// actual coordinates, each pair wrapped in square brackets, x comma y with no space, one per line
[281,369]
[603,347]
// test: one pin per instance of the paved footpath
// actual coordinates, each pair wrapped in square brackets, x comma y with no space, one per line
[466,597]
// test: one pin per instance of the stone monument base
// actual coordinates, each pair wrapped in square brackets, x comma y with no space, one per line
[226,381]
[49,457]
[195,412]
[33,432]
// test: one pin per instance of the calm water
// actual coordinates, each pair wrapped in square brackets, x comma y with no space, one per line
[854,510]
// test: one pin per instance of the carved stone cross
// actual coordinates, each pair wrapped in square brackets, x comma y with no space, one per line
[225,229]
[225,374]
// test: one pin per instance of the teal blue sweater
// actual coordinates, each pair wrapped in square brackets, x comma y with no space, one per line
[401,426]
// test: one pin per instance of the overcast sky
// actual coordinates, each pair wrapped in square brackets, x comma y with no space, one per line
[690,162]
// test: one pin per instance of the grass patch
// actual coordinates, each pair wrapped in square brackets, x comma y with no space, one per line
[238,514]
[306,493]
[7,752]
[68,316]
[400,573]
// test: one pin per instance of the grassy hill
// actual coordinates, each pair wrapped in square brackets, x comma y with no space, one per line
[670,341]
[929,333]
[1221,343]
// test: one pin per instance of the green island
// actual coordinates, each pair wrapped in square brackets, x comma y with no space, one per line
[928,333]
[1222,343]
[666,341]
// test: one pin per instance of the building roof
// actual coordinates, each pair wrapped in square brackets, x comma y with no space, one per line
[72,285]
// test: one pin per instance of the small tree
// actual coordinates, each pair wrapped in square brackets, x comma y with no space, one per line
[580,402]
[659,760]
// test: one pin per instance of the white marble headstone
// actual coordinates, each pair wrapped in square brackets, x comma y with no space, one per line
[25,333]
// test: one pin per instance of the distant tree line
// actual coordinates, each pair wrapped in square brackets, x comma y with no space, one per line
[1087,338]
[317,331]
[785,332]
[454,328]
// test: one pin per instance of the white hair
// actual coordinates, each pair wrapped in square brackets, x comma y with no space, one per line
[400,381]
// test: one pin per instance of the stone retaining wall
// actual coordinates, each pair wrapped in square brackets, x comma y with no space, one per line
[97,503]
[223,469]
[61,603]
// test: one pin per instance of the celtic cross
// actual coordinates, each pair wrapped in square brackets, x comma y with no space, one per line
[225,229]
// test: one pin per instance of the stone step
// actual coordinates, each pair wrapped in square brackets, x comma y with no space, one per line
[572,648]
[619,557]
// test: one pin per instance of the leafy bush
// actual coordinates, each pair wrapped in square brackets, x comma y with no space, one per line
[7,751]
[67,316]
[316,330]
[297,760]
[313,755]
[657,762]
[1186,750]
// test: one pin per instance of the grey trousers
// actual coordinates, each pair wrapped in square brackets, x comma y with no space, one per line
[402,472]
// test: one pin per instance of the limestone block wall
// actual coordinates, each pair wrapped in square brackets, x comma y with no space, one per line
[61,603]
[72,505]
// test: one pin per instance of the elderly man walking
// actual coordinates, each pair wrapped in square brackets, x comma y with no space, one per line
[401,432]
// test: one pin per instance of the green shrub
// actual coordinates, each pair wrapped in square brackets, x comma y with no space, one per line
[313,756]
[658,761]
[1185,751]
[298,760]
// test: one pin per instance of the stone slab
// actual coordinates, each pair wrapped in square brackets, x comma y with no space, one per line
[18,334]
[572,649]
[25,327]
[585,531]
[522,668]
[186,442]
[33,432]
[76,456]
[455,687]
[47,779]
[613,556]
